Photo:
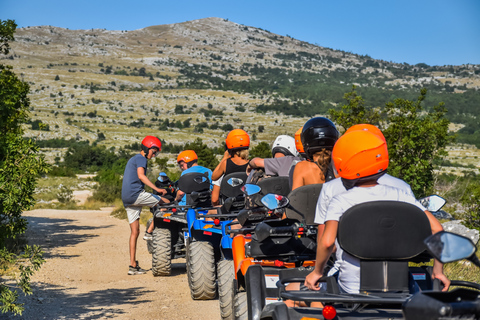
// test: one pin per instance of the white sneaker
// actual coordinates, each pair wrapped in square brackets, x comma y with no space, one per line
[148,236]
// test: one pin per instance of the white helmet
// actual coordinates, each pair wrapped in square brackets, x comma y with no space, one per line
[286,145]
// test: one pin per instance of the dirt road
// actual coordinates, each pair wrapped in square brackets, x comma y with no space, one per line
[85,273]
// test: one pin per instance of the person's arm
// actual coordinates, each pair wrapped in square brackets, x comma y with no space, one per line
[179,195]
[220,169]
[256,163]
[144,179]
[437,265]
[215,195]
[325,246]
[298,176]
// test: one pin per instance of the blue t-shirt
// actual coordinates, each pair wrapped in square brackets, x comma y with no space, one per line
[198,169]
[132,185]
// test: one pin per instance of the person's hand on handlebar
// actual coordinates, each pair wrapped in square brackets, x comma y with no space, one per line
[311,281]
[443,279]
[161,191]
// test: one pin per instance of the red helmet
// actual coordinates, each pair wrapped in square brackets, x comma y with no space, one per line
[237,139]
[187,156]
[150,142]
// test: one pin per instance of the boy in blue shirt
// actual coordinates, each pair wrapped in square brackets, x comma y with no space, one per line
[134,196]
[187,161]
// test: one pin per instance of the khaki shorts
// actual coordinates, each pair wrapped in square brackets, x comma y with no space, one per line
[144,199]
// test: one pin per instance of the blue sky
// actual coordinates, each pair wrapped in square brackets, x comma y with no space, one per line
[436,32]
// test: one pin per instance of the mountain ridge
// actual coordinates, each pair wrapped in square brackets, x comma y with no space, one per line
[212,71]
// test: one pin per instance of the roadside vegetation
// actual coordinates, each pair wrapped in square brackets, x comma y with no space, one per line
[20,166]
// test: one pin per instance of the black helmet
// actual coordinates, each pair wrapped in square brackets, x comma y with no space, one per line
[318,133]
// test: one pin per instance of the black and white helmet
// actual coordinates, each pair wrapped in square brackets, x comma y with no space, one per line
[318,133]
[286,145]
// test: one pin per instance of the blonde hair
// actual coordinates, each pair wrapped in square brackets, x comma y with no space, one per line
[239,153]
[323,158]
[242,154]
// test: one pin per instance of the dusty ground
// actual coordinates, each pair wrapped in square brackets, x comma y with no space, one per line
[85,273]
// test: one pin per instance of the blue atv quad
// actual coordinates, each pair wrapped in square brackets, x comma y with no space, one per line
[168,240]
[385,236]
[203,237]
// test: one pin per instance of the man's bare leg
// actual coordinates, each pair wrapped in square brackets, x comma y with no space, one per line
[134,232]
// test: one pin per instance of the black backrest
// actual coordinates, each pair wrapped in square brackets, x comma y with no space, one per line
[276,185]
[383,235]
[303,201]
[228,191]
[383,230]
[194,181]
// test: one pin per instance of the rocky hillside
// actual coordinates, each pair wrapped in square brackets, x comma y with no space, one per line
[201,78]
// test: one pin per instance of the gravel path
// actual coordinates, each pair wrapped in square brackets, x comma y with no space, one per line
[85,273]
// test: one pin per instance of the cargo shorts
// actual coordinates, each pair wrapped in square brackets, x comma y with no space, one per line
[145,199]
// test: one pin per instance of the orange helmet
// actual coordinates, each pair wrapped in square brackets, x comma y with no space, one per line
[237,139]
[367,127]
[298,141]
[187,156]
[360,153]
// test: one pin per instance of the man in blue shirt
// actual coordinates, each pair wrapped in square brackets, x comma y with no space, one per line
[187,161]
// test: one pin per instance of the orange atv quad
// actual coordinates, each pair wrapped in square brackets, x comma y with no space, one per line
[253,213]
[271,246]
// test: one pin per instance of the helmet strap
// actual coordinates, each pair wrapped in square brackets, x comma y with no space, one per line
[350,183]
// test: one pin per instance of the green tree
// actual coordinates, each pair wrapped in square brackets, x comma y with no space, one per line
[471,201]
[206,155]
[20,166]
[354,112]
[261,150]
[415,138]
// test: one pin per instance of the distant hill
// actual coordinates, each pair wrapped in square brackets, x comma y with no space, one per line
[203,77]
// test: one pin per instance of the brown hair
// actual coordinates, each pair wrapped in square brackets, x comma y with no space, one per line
[323,158]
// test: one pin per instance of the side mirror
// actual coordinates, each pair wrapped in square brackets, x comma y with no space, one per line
[274,201]
[433,203]
[250,189]
[235,182]
[200,179]
[448,247]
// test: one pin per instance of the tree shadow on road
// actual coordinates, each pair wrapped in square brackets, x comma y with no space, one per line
[51,302]
[65,234]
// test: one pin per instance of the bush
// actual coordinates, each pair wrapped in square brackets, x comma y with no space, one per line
[261,150]
[471,201]
[65,194]
[61,172]
[109,186]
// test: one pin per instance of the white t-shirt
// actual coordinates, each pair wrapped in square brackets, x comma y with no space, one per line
[349,266]
[218,182]
[334,187]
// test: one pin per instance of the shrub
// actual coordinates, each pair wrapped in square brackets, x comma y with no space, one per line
[65,194]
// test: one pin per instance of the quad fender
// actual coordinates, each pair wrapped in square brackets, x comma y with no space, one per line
[226,247]
[275,311]
[190,219]
[238,252]
[256,291]
[227,242]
